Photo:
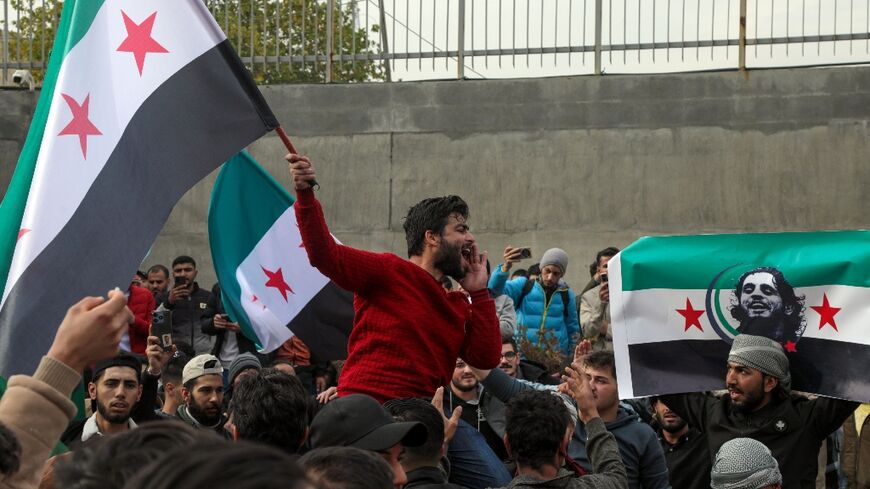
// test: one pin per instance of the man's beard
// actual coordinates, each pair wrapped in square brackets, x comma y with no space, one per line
[449,260]
[199,414]
[751,400]
[463,387]
[113,418]
[672,427]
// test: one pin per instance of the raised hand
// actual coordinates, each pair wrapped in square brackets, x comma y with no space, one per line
[451,423]
[577,385]
[475,276]
[91,330]
[302,171]
[157,356]
[581,350]
[511,255]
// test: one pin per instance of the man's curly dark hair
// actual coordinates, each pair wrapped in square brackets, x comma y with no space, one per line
[430,215]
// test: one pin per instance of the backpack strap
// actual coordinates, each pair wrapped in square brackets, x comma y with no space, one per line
[565,302]
[527,287]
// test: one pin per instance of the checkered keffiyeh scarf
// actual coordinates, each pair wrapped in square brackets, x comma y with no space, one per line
[762,354]
[744,463]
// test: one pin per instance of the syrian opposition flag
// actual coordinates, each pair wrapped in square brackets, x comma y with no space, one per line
[140,101]
[677,303]
[267,283]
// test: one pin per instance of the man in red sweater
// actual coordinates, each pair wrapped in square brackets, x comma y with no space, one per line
[408,331]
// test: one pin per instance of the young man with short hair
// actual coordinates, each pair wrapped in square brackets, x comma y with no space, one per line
[593,304]
[538,432]
[114,390]
[638,445]
[171,378]
[189,305]
[270,407]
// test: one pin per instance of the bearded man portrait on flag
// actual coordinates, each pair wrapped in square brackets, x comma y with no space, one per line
[765,304]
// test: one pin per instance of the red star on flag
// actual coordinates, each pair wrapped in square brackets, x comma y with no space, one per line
[276,280]
[790,346]
[22,232]
[139,40]
[80,125]
[692,316]
[826,313]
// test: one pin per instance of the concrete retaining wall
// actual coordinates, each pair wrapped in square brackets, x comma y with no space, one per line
[580,163]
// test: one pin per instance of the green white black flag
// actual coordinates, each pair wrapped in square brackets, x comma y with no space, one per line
[140,101]
[677,302]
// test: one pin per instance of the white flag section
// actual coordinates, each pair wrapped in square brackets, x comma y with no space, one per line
[619,328]
[100,87]
[140,101]
[277,281]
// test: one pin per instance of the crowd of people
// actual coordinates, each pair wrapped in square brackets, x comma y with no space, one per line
[440,388]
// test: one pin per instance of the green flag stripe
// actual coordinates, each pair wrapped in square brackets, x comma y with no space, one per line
[233,234]
[691,262]
[251,181]
[75,20]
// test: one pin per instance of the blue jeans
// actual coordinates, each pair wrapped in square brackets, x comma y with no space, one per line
[472,463]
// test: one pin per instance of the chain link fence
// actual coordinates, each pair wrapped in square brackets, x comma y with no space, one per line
[317,41]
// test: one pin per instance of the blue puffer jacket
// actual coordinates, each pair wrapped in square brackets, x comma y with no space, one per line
[536,312]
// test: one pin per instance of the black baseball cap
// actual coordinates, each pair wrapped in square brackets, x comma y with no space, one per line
[359,421]
[122,359]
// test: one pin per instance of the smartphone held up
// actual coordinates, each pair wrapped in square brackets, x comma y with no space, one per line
[161,326]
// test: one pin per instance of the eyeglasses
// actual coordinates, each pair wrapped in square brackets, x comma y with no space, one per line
[510,355]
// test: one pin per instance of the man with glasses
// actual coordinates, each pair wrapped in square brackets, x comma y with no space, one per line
[521,369]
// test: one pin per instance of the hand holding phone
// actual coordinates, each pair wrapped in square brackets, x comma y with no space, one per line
[161,327]
[220,321]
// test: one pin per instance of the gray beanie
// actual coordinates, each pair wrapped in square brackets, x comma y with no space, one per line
[744,463]
[242,362]
[762,354]
[555,256]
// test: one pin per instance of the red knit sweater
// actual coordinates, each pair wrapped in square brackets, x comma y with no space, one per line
[141,304]
[408,331]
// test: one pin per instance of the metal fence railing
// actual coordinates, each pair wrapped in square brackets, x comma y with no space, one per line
[371,40]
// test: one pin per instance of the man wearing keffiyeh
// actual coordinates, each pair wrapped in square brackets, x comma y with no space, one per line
[744,463]
[760,405]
